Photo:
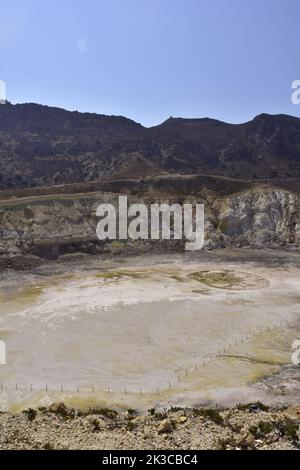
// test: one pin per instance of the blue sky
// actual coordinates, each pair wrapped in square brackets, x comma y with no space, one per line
[149,59]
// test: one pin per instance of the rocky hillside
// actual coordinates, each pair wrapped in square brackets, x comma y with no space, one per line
[56,166]
[33,229]
[40,146]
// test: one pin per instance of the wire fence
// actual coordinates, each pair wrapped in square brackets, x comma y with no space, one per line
[180,374]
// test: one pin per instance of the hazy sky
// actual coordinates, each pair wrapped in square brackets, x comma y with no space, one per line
[149,59]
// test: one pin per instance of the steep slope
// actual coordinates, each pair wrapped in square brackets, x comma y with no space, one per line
[33,229]
[40,146]
[267,147]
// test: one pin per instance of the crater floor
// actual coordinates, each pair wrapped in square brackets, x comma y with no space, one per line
[184,329]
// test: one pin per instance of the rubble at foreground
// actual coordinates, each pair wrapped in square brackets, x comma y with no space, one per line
[250,427]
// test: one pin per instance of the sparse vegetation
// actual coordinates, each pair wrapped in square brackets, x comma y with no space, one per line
[262,429]
[106,412]
[289,429]
[131,425]
[30,413]
[157,414]
[286,427]
[196,427]
[96,424]
[131,412]
[209,413]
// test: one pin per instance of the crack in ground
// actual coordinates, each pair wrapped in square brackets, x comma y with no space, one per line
[252,359]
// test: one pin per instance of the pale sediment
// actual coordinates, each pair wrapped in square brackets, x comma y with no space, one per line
[151,330]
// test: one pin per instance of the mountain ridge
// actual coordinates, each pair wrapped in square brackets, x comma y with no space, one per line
[42,145]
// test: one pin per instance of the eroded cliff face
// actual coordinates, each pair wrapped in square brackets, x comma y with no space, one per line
[257,218]
[51,227]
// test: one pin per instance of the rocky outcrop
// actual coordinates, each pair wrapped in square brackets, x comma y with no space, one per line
[49,227]
[259,218]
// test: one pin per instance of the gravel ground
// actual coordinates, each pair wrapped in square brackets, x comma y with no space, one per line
[245,427]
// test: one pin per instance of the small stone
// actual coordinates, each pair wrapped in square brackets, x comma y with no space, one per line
[61,410]
[182,419]
[165,427]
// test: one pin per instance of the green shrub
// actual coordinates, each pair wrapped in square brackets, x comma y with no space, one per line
[209,413]
[289,429]
[157,415]
[30,413]
[130,425]
[107,412]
